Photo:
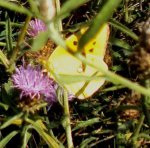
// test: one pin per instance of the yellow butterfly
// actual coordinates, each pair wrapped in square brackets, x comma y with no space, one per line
[61,62]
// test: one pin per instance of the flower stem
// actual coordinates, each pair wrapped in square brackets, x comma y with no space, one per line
[19,42]
[59,22]
[137,131]
[50,130]
[67,120]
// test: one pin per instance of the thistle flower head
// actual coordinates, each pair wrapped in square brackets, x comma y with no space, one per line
[35,27]
[33,83]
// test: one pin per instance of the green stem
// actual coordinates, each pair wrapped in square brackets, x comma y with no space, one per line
[126,11]
[145,111]
[138,128]
[20,41]
[67,120]
[12,24]
[50,130]
[113,88]
[13,7]
[124,29]
[48,122]
[114,78]
[145,136]
[4,44]
[145,103]
[135,135]
[59,22]
[4,59]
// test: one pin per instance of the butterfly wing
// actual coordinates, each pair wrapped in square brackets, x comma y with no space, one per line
[61,62]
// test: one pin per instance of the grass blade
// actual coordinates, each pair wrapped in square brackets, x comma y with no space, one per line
[11,121]
[124,29]
[47,138]
[103,16]
[14,7]
[8,35]
[7,139]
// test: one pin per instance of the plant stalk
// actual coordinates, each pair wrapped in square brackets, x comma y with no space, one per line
[19,42]
[114,78]
[67,120]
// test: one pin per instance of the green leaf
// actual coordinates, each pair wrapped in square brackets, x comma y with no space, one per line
[83,124]
[4,59]
[117,68]
[60,95]
[113,88]
[124,29]
[8,34]
[39,41]
[7,95]
[69,6]
[14,7]
[86,142]
[4,106]
[120,43]
[11,121]
[8,88]
[47,138]
[5,140]
[14,24]
[102,17]
[26,136]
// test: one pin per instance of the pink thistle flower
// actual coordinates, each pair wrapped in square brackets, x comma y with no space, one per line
[35,27]
[33,83]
